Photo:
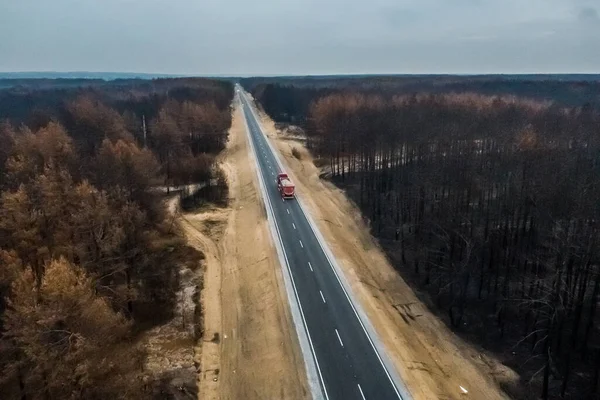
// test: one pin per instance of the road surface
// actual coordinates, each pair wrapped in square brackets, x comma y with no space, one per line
[347,363]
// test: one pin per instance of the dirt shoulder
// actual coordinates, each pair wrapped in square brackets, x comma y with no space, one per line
[249,349]
[433,361]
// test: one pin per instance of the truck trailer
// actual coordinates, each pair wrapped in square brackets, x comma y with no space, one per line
[285,186]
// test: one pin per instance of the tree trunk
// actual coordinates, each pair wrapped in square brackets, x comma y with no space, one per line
[46,390]
[21,384]
[567,373]
[129,301]
[547,346]
[592,314]
[596,376]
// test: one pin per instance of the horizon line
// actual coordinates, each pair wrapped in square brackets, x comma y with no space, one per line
[267,75]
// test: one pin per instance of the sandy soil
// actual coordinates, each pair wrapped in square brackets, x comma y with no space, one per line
[249,349]
[435,363]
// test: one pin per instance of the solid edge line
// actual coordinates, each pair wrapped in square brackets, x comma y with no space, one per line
[313,371]
[396,381]
[361,392]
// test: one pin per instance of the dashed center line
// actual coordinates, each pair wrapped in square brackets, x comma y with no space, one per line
[361,392]
[288,210]
[339,338]
[310,266]
[322,297]
[294,225]
[301,245]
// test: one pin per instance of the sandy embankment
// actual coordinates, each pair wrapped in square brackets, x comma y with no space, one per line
[249,349]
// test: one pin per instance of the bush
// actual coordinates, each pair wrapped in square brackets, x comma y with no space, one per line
[296,153]
[320,162]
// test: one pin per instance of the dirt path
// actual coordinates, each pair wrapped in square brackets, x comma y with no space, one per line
[249,349]
[434,362]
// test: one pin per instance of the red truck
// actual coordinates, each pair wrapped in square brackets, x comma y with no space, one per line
[285,186]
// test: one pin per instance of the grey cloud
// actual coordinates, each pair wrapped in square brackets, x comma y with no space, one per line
[400,16]
[299,36]
[589,14]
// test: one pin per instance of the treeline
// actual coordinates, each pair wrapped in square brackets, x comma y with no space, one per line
[21,102]
[184,121]
[287,103]
[89,257]
[490,205]
[288,99]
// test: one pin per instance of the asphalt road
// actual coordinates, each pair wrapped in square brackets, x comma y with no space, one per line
[349,366]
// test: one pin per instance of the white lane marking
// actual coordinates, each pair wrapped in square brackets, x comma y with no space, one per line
[272,174]
[310,266]
[301,245]
[322,297]
[294,225]
[277,238]
[288,210]
[339,338]
[361,392]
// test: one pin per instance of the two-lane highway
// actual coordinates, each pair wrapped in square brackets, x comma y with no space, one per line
[348,365]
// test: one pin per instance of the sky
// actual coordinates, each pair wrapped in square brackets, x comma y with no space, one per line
[291,37]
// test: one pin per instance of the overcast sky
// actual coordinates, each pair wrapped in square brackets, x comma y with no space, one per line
[255,37]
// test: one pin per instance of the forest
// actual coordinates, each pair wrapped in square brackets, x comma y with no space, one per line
[487,205]
[288,99]
[89,256]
